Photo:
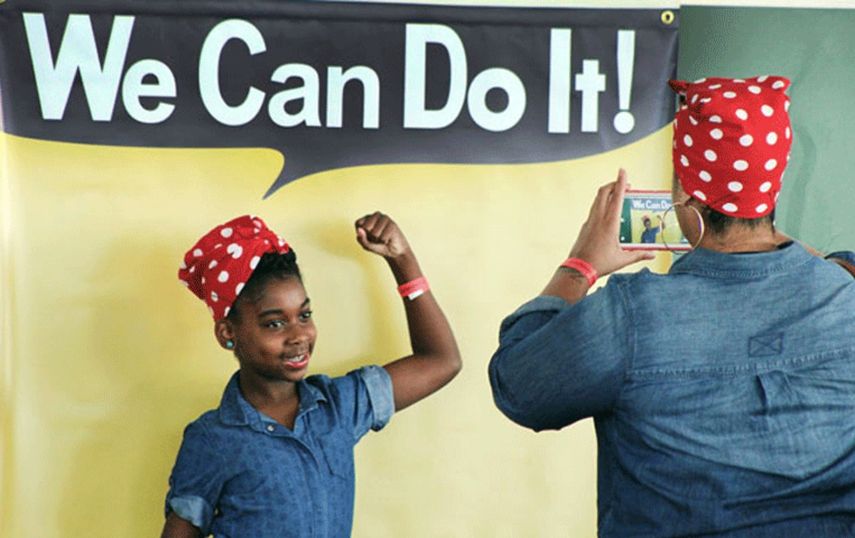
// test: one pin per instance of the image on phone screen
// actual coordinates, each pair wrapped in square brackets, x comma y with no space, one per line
[647,224]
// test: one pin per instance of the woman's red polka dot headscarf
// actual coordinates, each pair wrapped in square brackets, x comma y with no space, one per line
[732,141]
[216,268]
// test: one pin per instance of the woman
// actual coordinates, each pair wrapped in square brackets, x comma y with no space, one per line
[723,393]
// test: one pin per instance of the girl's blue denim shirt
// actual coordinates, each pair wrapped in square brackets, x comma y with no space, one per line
[240,473]
[723,393]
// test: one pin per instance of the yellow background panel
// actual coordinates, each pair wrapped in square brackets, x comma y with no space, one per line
[106,357]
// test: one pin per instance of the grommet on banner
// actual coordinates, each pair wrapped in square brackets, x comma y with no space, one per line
[667,17]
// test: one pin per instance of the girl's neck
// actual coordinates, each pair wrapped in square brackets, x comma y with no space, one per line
[280,400]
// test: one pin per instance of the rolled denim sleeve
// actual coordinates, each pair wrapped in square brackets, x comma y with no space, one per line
[558,363]
[365,399]
[196,480]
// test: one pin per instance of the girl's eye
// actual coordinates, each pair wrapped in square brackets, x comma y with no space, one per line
[306,315]
[275,324]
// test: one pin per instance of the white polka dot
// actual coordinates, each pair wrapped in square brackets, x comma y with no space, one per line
[192,269]
[710,155]
[778,84]
[253,263]
[197,253]
[730,208]
[766,186]
[699,195]
[203,281]
[705,176]
[694,98]
[740,165]
[281,242]
[762,78]
[226,232]
[767,110]
[771,138]
[700,80]
[218,245]
[729,95]
[183,265]
[706,99]
[715,86]
[687,140]
[761,208]
[734,186]
[741,114]
[770,164]
[739,80]
[184,283]
[214,296]
[228,309]
[212,264]
[223,276]
[239,287]
[786,106]
[684,161]
[235,250]
[746,140]
[717,134]
[787,133]
[754,89]
[693,121]
[715,119]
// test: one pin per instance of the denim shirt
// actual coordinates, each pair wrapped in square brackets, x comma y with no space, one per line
[239,473]
[723,393]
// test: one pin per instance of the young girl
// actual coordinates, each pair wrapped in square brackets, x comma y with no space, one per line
[276,457]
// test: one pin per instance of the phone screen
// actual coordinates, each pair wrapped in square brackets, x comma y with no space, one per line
[646,222]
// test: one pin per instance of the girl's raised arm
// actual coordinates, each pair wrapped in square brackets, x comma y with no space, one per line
[435,359]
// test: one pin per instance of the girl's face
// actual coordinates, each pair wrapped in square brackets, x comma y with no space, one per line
[275,335]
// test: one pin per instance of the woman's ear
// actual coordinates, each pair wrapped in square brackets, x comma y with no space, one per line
[224,334]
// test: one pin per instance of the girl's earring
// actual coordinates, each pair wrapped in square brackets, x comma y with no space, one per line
[230,344]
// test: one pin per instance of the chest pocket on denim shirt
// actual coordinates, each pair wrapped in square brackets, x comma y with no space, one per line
[337,451]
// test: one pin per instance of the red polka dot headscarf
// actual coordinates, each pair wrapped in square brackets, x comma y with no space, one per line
[732,142]
[216,268]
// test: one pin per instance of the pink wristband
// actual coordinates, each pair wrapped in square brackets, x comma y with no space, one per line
[584,268]
[414,288]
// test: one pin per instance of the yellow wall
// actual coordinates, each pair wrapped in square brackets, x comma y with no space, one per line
[106,357]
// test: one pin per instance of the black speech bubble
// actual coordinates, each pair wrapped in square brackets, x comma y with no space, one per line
[323,34]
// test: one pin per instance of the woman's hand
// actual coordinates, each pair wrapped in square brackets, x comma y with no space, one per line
[379,234]
[598,242]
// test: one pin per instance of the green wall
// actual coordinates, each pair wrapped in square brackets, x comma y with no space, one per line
[815,48]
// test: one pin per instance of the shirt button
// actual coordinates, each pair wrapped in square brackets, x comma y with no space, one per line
[271,427]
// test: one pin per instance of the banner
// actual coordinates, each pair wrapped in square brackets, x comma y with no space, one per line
[130,128]
[334,85]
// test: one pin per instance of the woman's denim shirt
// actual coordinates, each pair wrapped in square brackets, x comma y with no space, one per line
[723,393]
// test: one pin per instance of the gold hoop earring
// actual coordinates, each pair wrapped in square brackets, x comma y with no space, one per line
[701,226]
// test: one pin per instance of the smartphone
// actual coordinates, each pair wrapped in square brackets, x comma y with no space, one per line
[646,222]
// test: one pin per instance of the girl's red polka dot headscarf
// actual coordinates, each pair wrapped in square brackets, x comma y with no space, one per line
[732,141]
[216,268]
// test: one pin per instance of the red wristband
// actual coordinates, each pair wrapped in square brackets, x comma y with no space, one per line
[414,288]
[584,268]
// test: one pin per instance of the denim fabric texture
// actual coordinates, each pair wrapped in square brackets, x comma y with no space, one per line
[723,393]
[239,473]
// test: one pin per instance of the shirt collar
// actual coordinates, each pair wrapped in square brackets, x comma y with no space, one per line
[715,264]
[236,411]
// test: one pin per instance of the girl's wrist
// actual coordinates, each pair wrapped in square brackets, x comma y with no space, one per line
[405,267]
